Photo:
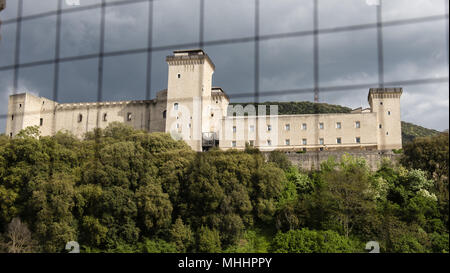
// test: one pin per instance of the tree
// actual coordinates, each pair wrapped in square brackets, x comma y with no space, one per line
[181,235]
[312,241]
[154,207]
[52,203]
[430,154]
[18,238]
[208,240]
[347,189]
[267,188]
[280,159]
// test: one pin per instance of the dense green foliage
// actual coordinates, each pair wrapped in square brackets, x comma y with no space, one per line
[122,190]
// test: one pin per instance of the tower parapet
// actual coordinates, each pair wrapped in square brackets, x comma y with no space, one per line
[190,56]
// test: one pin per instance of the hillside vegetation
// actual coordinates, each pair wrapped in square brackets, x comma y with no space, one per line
[301,107]
[409,130]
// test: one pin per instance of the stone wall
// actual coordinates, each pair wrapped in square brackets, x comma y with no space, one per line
[312,160]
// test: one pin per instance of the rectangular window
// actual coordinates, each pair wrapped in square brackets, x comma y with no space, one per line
[234,129]
[338,140]
[338,125]
[269,127]
[105,117]
[233,143]
[129,116]
[304,141]
[357,124]
[304,126]
[389,113]
[41,122]
[269,142]
[175,106]
[321,125]
[287,127]
[287,142]
[358,140]
[379,126]
[252,128]
[321,141]
[252,143]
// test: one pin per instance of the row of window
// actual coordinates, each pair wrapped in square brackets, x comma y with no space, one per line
[105,117]
[287,127]
[287,142]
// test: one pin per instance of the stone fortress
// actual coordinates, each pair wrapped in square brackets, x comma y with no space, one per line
[193,110]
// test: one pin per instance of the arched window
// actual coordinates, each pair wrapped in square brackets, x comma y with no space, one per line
[164,114]
[105,117]
[175,106]
[80,117]
[129,116]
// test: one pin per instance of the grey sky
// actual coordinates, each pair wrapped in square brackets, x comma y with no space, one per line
[410,51]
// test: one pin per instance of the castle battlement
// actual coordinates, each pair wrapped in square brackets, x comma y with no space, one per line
[189,57]
[102,104]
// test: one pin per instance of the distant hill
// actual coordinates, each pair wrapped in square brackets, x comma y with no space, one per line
[409,130]
[302,107]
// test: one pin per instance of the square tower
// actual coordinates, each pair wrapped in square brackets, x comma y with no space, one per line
[386,103]
[26,110]
[189,95]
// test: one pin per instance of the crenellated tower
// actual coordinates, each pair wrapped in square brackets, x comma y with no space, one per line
[189,96]
[386,103]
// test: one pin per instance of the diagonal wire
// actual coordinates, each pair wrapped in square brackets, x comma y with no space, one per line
[380,44]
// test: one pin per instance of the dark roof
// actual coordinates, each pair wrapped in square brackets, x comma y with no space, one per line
[197,50]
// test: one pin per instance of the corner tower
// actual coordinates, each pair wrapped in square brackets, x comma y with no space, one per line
[386,103]
[189,95]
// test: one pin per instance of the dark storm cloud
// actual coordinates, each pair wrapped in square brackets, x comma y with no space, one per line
[411,52]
